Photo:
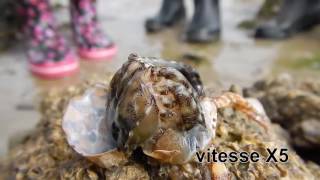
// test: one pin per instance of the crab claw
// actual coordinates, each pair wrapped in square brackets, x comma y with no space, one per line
[87,130]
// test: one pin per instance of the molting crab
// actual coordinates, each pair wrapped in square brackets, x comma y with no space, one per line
[152,104]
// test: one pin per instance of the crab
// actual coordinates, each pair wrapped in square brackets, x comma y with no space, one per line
[156,105]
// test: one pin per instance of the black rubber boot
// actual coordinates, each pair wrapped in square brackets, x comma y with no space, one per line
[294,16]
[171,12]
[205,25]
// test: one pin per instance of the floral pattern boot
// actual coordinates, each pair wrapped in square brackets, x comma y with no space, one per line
[92,43]
[49,55]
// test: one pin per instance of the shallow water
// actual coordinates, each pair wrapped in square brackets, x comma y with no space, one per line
[236,59]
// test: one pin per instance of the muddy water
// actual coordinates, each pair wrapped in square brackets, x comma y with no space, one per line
[235,59]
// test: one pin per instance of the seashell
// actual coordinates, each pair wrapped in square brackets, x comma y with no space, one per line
[88,131]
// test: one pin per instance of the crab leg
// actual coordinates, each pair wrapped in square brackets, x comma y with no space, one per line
[236,101]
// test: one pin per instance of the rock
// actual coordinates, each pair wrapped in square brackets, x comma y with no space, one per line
[295,106]
[45,154]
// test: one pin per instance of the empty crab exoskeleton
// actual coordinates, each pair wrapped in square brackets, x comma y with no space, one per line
[87,130]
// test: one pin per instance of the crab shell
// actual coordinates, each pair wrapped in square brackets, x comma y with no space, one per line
[151,104]
[159,106]
[87,130]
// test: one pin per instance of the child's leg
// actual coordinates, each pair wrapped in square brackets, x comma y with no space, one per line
[92,42]
[49,55]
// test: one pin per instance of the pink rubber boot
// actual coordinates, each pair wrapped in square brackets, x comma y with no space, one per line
[49,55]
[92,43]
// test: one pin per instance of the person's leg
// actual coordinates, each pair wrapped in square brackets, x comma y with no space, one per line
[205,25]
[49,55]
[171,12]
[91,41]
[294,16]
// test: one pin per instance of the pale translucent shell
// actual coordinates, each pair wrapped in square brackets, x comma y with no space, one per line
[87,130]
[258,107]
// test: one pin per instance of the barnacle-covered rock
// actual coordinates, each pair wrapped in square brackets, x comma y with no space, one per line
[46,154]
[295,105]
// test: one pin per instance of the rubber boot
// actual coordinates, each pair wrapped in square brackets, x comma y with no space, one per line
[294,16]
[171,12]
[49,55]
[205,24]
[92,43]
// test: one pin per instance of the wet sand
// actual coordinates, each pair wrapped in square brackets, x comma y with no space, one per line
[236,59]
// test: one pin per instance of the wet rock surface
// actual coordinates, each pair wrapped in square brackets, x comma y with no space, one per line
[295,105]
[45,154]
